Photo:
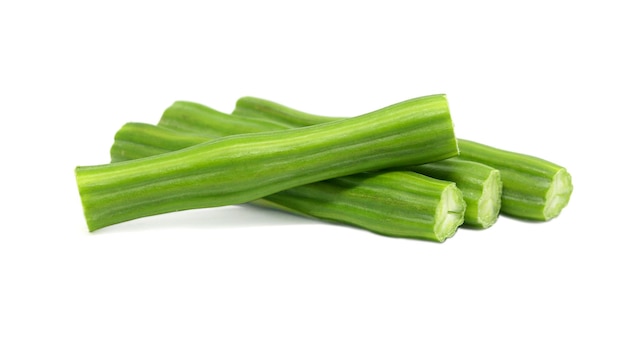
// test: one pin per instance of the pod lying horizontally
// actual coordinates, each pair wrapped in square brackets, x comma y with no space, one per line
[532,188]
[480,184]
[401,204]
[242,168]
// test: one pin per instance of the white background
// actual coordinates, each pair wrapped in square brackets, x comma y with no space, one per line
[545,78]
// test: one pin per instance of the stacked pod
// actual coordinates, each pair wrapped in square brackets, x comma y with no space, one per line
[532,188]
[480,184]
[396,171]
[246,167]
[399,203]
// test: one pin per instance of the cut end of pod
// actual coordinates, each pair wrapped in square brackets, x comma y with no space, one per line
[558,194]
[85,206]
[450,213]
[490,201]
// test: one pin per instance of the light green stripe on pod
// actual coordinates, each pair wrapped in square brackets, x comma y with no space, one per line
[242,168]
[533,188]
[399,204]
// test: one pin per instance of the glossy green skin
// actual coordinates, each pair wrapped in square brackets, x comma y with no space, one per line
[469,176]
[526,180]
[399,204]
[242,168]
[191,118]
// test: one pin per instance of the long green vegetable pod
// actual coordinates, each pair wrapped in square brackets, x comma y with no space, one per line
[400,204]
[242,168]
[532,188]
[480,184]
